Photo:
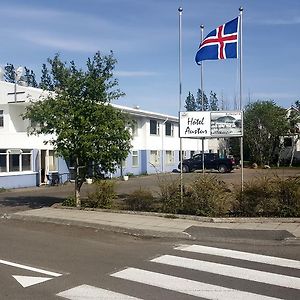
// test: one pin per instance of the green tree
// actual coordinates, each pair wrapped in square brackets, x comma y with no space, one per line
[264,124]
[9,73]
[46,82]
[213,101]
[190,102]
[85,127]
[29,78]
[199,101]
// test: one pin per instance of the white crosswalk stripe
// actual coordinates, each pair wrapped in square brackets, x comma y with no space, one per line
[265,259]
[169,282]
[87,292]
[231,271]
[186,286]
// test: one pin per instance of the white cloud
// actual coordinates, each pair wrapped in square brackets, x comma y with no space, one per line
[274,95]
[134,73]
[290,21]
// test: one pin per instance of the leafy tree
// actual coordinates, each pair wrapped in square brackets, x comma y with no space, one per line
[46,82]
[190,102]
[213,101]
[29,78]
[264,123]
[85,127]
[199,101]
[9,73]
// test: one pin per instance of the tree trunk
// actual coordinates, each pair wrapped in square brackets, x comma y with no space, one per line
[77,192]
[294,144]
[78,184]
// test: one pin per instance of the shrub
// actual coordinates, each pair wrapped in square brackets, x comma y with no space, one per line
[103,196]
[69,201]
[208,196]
[270,196]
[169,194]
[289,197]
[140,200]
[258,198]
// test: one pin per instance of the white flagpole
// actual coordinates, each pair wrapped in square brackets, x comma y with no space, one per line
[180,10]
[241,97]
[202,98]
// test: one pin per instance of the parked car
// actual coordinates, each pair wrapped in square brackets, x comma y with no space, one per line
[211,161]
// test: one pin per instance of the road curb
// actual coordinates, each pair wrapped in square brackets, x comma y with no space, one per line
[187,217]
[124,230]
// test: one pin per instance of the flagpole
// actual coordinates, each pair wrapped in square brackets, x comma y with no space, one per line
[202,98]
[241,97]
[180,10]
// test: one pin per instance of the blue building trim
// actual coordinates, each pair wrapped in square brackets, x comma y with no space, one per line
[20,180]
[144,161]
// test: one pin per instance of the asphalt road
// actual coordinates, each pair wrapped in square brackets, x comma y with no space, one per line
[76,262]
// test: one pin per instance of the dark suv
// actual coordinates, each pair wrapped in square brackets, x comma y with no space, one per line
[211,161]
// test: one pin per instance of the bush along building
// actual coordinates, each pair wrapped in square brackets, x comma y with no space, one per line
[25,160]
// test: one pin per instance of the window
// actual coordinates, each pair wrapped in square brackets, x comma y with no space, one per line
[1,118]
[3,166]
[52,161]
[15,160]
[192,153]
[26,160]
[154,127]
[154,158]
[169,157]
[169,127]
[135,158]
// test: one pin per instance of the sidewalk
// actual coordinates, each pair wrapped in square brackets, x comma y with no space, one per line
[154,225]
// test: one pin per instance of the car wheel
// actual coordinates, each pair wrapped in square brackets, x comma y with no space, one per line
[222,169]
[185,169]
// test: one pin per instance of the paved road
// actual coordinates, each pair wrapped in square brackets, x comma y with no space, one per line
[68,262]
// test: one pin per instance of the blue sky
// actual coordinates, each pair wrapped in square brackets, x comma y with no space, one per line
[144,38]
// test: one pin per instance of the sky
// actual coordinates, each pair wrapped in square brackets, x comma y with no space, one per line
[144,37]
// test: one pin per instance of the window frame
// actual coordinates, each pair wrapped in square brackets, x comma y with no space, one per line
[16,160]
[169,128]
[1,118]
[135,155]
[170,157]
[155,160]
[156,126]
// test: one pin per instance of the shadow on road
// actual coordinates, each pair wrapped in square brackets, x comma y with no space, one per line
[29,201]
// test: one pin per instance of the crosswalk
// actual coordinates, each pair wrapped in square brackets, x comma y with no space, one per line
[257,276]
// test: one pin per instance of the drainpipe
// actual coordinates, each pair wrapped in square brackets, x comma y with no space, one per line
[162,146]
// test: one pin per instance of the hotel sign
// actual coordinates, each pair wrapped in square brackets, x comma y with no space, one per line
[205,124]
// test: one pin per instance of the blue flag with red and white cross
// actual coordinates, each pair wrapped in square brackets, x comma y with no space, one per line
[221,43]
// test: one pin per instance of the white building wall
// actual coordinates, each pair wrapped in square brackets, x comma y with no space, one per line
[14,136]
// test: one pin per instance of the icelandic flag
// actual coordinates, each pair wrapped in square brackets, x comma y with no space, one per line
[221,43]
